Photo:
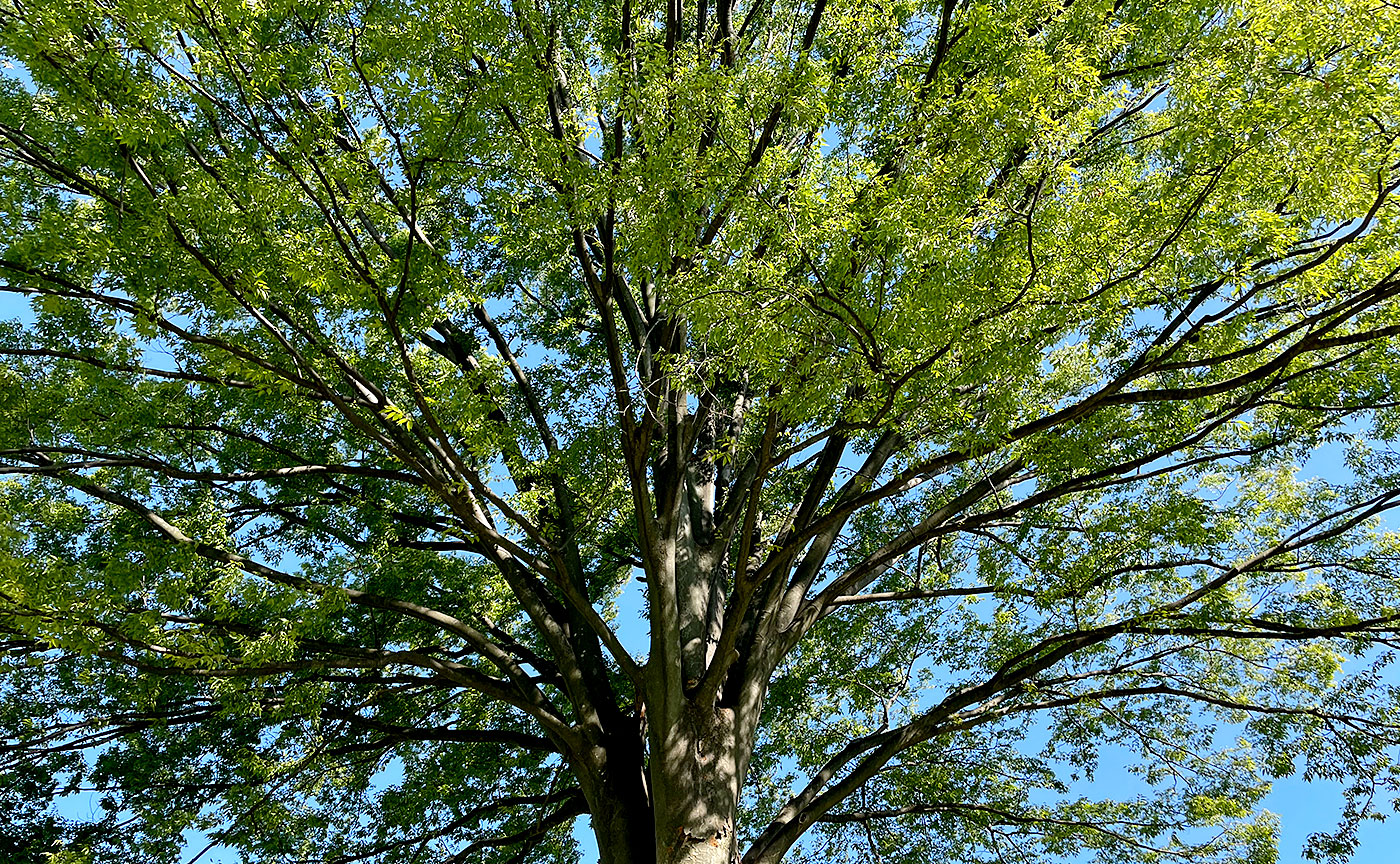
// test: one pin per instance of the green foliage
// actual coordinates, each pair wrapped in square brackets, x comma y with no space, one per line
[973,395]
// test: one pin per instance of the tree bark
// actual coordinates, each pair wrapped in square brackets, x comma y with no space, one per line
[696,771]
[684,811]
[620,810]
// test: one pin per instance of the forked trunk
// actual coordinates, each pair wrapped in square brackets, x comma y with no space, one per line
[697,746]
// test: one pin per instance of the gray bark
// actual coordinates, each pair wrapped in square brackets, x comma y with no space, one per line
[696,770]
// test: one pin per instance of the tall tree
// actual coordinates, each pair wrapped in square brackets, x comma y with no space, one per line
[942,382]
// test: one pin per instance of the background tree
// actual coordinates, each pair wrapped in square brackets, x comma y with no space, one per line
[942,377]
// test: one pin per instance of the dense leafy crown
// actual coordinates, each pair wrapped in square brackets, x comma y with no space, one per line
[422,414]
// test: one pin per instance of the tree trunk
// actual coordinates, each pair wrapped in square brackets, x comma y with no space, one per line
[624,833]
[620,811]
[694,777]
[695,772]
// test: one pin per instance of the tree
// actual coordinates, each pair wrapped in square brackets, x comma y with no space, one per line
[944,378]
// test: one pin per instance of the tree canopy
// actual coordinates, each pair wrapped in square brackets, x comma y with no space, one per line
[774,430]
